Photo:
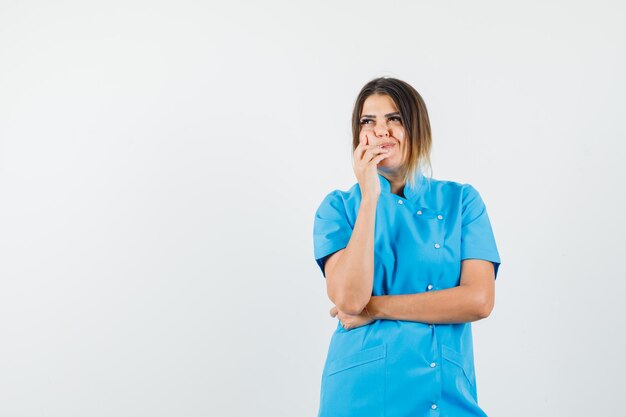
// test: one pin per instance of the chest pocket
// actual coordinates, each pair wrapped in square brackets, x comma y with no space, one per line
[425,213]
[431,223]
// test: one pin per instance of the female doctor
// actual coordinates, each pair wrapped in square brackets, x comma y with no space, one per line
[409,263]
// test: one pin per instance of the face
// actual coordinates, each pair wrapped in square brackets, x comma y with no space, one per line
[381,122]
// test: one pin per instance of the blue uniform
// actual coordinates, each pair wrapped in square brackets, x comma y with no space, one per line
[396,368]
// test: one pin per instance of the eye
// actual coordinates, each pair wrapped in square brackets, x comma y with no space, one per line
[364,121]
[397,118]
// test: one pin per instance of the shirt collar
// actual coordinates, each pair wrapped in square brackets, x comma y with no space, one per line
[409,193]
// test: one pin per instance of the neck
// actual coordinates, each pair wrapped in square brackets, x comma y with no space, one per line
[396,180]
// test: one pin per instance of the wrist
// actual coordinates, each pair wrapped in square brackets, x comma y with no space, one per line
[372,309]
[369,199]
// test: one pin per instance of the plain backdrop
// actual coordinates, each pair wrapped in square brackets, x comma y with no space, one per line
[161,163]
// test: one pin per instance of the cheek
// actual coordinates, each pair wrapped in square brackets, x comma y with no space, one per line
[398,133]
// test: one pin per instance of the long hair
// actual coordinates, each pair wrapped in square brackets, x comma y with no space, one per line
[414,119]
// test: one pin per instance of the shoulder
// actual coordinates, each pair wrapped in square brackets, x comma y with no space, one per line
[449,189]
[455,195]
[468,199]
[339,198]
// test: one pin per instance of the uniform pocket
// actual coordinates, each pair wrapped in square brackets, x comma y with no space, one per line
[426,213]
[457,371]
[354,385]
[430,230]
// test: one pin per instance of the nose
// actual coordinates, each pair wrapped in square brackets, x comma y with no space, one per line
[381,130]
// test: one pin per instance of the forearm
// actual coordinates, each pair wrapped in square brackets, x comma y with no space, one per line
[452,305]
[353,274]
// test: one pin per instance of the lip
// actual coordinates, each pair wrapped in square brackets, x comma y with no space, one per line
[387,145]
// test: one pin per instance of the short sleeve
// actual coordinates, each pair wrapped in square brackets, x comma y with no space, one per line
[331,228]
[477,238]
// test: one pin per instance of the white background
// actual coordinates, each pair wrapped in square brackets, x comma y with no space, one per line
[161,163]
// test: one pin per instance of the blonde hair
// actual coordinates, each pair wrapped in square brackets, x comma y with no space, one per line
[414,119]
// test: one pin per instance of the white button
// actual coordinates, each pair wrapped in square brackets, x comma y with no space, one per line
[431,326]
[433,364]
[433,406]
[437,245]
[439,216]
[399,201]
[419,212]
[430,286]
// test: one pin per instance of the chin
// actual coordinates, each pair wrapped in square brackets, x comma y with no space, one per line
[388,162]
[387,166]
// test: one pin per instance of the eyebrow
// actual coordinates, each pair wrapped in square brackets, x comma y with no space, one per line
[395,113]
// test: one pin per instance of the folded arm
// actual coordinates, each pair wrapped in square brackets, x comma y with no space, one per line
[472,300]
[350,271]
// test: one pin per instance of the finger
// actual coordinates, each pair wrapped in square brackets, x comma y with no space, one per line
[358,151]
[378,158]
[362,141]
[364,144]
[370,153]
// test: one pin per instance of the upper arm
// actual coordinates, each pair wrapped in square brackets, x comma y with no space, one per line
[331,261]
[477,237]
[479,274]
[329,265]
[331,230]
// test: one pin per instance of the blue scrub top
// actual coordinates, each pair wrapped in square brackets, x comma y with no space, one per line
[396,368]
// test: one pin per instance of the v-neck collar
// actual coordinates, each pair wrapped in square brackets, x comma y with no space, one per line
[410,193]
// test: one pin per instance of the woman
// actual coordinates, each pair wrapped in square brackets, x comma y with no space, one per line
[409,263]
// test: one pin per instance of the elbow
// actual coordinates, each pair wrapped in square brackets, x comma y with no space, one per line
[355,311]
[347,300]
[483,308]
[351,305]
